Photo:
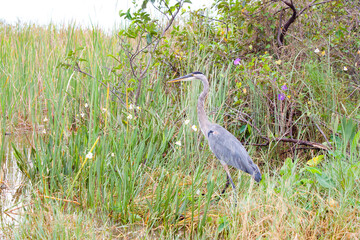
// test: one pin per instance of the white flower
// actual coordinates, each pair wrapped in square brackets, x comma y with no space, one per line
[89,155]
[316,50]
[131,106]
[194,128]
[44,131]
[103,110]
[45,119]
[112,154]
[138,108]
[129,117]
[345,69]
[178,143]
[82,115]
[86,105]
[186,122]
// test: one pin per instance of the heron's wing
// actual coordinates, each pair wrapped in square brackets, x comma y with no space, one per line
[229,150]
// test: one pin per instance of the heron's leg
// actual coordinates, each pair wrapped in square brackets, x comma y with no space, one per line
[223,191]
[228,181]
[229,176]
[231,181]
[227,185]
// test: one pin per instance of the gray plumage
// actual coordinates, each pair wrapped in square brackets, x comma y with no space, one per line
[223,144]
[229,150]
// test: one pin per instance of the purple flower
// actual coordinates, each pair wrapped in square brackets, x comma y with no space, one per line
[237,61]
[281,96]
[284,87]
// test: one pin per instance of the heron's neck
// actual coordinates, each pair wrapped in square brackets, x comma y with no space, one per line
[203,120]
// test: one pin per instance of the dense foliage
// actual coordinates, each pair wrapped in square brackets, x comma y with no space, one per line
[108,149]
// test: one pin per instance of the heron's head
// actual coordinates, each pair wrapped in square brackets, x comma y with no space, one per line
[257,176]
[189,77]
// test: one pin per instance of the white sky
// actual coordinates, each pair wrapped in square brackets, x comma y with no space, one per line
[102,13]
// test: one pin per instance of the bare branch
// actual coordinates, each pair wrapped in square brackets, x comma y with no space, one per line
[169,9]
[289,22]
[279,27]
[160,11]
[218,20]
[302,142]
[78,69]
[282,30]
[322,133]
[313,4]
[128,55]
[132,55]
[291,140]
[305,8]
[142,74]
[143,49]
[138,45]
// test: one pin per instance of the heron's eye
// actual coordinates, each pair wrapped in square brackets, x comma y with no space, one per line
[211,131]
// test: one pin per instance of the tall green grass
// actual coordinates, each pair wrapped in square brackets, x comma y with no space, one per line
[139,183]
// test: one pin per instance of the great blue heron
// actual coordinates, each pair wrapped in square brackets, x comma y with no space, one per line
[223,144]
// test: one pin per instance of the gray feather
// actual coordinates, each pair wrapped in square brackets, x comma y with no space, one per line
[229,150]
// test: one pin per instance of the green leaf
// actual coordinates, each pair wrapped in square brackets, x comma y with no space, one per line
[355,142]
[128,15]
[304,181]
[223,223]
[243,128]
[222,226]
[148,38]
[315,161]
[249,128]
[313,170]
[70,53]
[325,182]
[286,168]
[249,29]
[266,67]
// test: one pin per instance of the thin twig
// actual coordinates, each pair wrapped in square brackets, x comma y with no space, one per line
[169,9]
[313,4]
[291,140]
[302,142]
[160,11]
[142,74]
[300,148]
[78,69]
[322,133]
[218,20]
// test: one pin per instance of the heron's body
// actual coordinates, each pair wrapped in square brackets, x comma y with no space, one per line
[229,150]
[226,147]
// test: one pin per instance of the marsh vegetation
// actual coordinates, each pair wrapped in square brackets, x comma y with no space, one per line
[108,150]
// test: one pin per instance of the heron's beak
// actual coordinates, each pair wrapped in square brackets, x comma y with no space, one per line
[183,78]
